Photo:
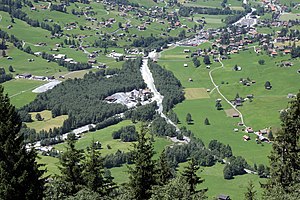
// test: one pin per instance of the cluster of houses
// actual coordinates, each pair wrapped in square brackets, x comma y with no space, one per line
[131,99]
[261,135]
[33,77]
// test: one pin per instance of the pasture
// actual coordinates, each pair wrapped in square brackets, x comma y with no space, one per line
[20,63]
[47,123]
[217,185]
[105,137]
[20,91]
[196,93]
[289,16]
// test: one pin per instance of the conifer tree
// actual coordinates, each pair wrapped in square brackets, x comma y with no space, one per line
[71,167]
[142,175]
[250,193]
[20,177]
[190,175]
[284,179]
[94,173]
[164,171]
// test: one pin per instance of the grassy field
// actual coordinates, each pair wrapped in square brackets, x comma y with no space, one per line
[19,91]
[196,93]
[289,16]
[48,122]
[20,63]
[212,21]
[233,4]
[217,185]
[265,104]
[105,137]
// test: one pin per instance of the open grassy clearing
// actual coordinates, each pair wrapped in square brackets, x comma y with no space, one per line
[212,21]
[19,91]
[221,128]
[268,30]
[51,164]
[196,93]
[289,16]
[217,185]
[48,121]
[233,4]
[105,137]
[174,60]
[21,65]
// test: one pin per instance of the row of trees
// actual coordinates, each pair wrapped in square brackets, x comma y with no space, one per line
[152,42]
[126,134]
[168,85]
[4,76]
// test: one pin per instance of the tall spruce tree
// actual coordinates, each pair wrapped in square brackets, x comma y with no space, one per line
[284,179]
[250,193]
[164,171]
[94,173]
[71,167]
[20,177]
[142,175]
[190,175]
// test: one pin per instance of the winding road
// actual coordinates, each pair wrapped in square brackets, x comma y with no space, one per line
[217,88]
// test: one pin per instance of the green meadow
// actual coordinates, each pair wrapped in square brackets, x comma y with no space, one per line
[47,123]
[105,137]
[20,91]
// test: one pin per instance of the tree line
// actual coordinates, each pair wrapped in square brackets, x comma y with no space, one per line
[168,85]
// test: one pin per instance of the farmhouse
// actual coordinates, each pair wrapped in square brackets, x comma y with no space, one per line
[116,55]
[59,56]
[40,78]
[25,75]
[92,61]
[249,130]
[246,137]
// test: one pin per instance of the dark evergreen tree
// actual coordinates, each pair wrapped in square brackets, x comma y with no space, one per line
[11,69]
[219,105]
[190,175]
[206,121]
[250,193]
[188,118]
[38,117]
[206,60]
[93,173]
[285,158]
[71,167]
[20,177]
[142,175]
[164,170]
